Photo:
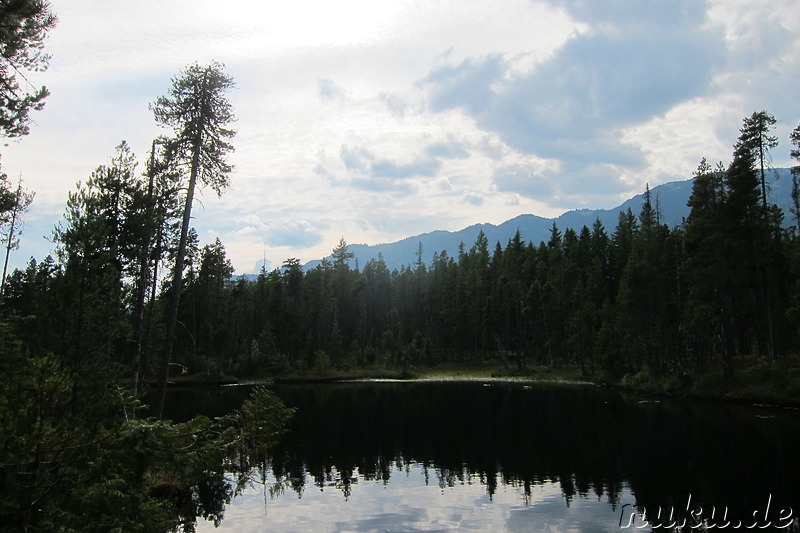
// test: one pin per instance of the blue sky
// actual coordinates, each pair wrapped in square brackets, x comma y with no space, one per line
[376,120]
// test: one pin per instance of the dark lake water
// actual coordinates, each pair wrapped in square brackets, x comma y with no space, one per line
[493,456]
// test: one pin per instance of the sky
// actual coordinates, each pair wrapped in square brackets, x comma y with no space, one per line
[375,120]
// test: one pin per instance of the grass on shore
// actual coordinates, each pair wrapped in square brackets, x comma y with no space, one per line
[314,376]
[755,381]
[466,372]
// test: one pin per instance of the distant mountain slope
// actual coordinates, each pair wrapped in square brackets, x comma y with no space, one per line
[671,199]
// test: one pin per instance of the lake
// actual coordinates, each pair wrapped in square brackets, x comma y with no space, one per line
[498,456]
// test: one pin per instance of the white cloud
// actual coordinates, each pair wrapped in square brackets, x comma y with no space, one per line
[443,184]
[473,197]
[524,180]
[393,103]
[328,91]
[248,230]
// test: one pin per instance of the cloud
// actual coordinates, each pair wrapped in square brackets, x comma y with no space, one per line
[491,148]
[669,13]
[612,79]
[571,107]
[296,234]
[449,149]
[443,184]
[568,185]
[576,179]
[323,172]
[589,185]
[247,230]
[467,86]
[523,180]
[355,159]
[385,168]
[393,103]
[763,63]
[472,197]
[362,162]
[403,223]
[374,173]
[384,185]
[328,91]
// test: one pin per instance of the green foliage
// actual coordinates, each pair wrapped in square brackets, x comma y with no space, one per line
[198,111]
[322,362]
[74,457]
[261,421]
[24,25]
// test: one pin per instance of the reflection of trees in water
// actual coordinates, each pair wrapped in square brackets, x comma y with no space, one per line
[590,441]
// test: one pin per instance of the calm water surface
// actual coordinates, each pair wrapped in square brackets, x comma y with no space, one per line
[508,457]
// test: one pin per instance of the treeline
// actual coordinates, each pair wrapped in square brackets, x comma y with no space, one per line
[641,297]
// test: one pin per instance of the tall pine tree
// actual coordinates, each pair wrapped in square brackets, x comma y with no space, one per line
[198,112]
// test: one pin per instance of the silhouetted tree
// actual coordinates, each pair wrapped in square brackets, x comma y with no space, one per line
[198,112]
[14,205]
[795,154]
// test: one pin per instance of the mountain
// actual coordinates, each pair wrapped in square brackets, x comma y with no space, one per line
[671,199]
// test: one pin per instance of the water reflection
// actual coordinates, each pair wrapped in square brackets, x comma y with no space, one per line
[566,457]
[415,500]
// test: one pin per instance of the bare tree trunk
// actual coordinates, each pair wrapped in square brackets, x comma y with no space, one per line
[9,245]
[141,288]
[172,317]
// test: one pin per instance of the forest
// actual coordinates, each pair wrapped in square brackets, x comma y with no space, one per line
[130,300]
[641,299]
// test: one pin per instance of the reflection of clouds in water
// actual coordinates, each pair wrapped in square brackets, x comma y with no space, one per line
[552,514]
[407,503]
[409,518]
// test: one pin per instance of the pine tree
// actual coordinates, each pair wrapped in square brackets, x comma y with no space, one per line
[754,234]
[212,320]
[94,249]
[198,112]
[755,137]
[23,29]
[709,309]
[341,256]
[795,154]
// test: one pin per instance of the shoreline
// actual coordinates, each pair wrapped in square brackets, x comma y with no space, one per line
[774,389]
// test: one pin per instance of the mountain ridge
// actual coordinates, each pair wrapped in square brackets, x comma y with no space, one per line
[671,199]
